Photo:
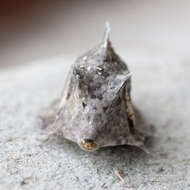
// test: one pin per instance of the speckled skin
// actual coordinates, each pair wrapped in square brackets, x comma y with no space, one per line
[96,102]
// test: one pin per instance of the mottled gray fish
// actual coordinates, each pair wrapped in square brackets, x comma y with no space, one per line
[95,109]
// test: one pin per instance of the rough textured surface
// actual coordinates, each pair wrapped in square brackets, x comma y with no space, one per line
[29,160]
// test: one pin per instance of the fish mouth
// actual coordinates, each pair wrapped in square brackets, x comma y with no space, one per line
[88,145]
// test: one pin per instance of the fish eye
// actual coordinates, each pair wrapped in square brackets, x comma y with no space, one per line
[88,144]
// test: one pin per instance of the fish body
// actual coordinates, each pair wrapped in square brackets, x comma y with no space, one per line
[95,109]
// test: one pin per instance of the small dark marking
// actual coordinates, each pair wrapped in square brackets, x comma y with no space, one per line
[68,95]
[105,108]
[93,96]
[131,126]
[118,102]
[83,104]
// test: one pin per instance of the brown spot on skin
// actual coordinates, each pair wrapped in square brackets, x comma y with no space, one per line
[130,111]
[131,114]
[88,144]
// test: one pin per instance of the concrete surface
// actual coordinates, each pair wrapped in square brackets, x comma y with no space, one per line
[29,160]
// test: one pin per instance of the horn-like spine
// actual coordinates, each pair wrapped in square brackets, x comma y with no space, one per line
[106,39]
